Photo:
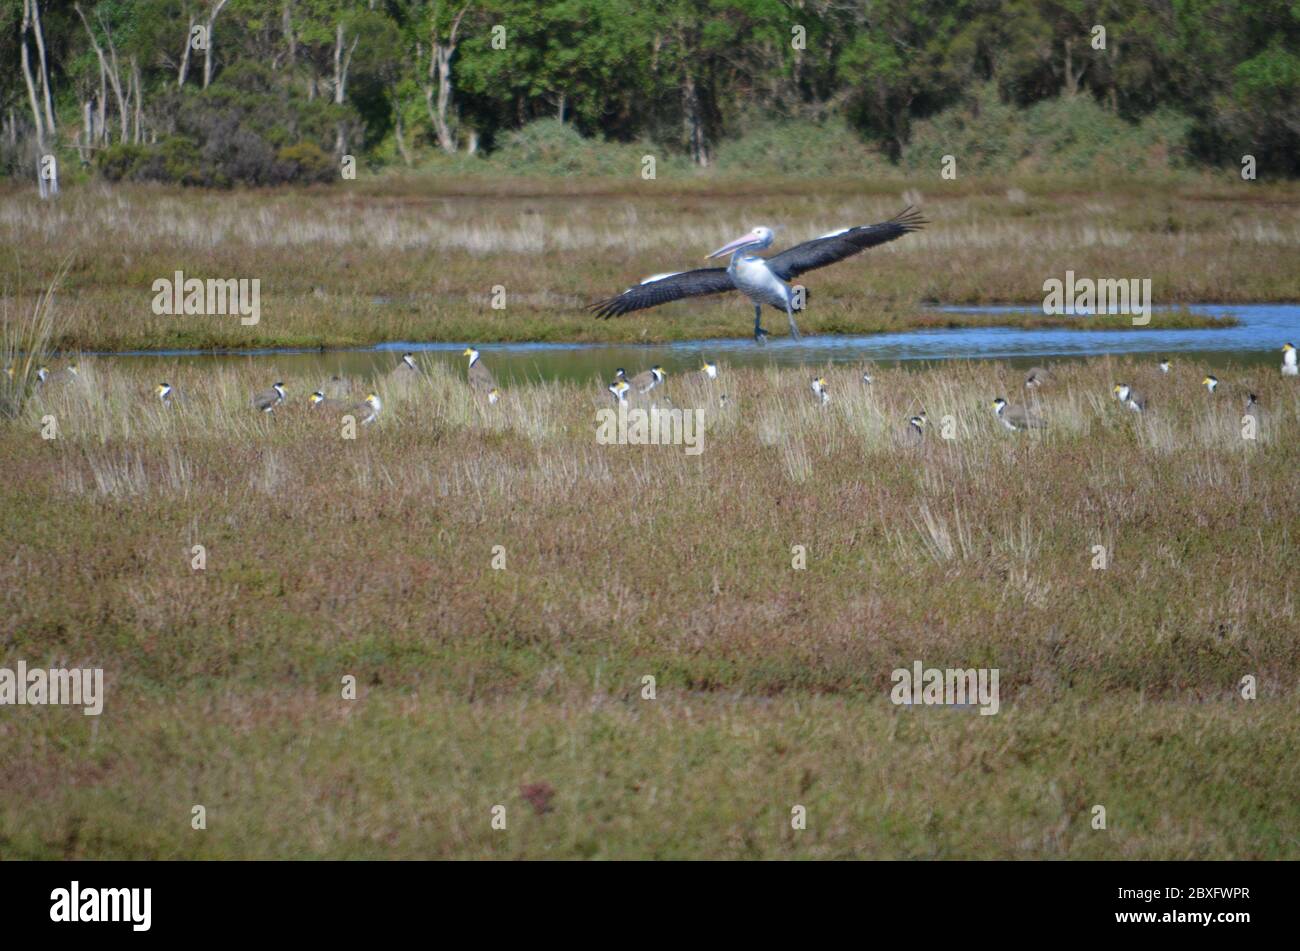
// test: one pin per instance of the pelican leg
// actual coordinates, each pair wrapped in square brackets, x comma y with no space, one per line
[794,328]
[759,331]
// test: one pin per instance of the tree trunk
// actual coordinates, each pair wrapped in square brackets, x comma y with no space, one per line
[696,140]
[39,35]
[440,77]
[138,134]
[398,132]
[341,63]
[207,53]
[185,56]
[31,94]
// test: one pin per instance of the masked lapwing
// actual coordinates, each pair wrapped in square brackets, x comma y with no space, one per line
[1252,408]
[820,390]
[1037,376]
[1129,397]
[1015,417]
[42,374]
[913,433]
[367,411]
[267,400]
[323,403]
[336,387]
[406,365]
[619,389]
[648,380]
[480,377]
[866,377]
[165,393]
[1165,366]
[1289,367]
[1211,383]
[709,371]
[494,396]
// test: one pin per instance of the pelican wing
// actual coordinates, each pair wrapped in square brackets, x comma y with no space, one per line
[839,245]
[663,288]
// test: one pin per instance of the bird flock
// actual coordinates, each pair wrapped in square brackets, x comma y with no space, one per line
[335,395]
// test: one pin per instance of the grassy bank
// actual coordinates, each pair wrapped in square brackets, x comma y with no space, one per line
[417,258]
[329,557]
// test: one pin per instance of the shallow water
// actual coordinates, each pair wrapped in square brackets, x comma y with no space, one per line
[1257,339]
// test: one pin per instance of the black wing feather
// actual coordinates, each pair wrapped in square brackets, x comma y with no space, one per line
[697,283]
[820,252]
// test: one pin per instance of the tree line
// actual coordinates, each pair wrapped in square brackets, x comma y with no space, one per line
[223,91]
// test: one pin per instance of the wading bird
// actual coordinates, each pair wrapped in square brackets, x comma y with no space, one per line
[1037,376]
[1014,417]
[480,377]
[268,400]
[762,280]
[647,381]
[1129,397]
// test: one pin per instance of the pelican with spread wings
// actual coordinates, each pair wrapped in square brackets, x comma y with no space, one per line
[762,280]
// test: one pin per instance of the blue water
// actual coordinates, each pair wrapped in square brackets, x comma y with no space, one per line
[1257,338]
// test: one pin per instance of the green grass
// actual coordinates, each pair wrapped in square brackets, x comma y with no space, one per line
[371,557]
[416,257]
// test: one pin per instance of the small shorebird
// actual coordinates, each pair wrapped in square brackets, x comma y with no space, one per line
[480,377]
[647,381]
[1037,376]
[1129,397]
[818,387]
[268,400]
[1014,417]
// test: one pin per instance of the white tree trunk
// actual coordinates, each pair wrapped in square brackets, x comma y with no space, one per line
[207,53]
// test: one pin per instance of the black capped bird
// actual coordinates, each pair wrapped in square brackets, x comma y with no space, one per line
[648,380]
[1211,383]
[164,393]
[709,370]
[367,411]
[268,400]
[1129,397]
[480,377]
[1164,366]
[1289,367]
[1014,417]
[405,366]
[913,433]
[762,280]
[1037,376]
[619,389]
[820,391]
[319,401]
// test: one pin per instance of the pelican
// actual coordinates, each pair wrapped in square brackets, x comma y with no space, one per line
[762,280]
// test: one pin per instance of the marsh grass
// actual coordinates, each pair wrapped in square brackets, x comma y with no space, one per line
[417,257]
[371,557]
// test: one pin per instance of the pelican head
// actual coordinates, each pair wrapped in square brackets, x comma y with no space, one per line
[760,237]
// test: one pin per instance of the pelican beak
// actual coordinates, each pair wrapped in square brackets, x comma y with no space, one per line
[740,242]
